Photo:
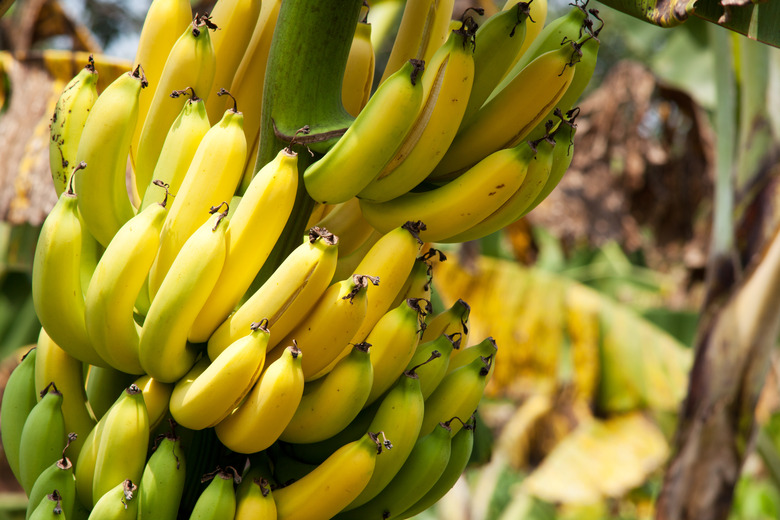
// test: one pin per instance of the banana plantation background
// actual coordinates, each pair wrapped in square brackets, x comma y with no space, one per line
[635,309]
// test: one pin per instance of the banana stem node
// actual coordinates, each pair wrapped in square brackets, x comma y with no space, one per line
[51,387]
[139,73]
[193,97]
[260,325]
[224,92]
[320,233]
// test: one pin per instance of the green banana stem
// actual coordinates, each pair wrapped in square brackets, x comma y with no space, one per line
[306,65]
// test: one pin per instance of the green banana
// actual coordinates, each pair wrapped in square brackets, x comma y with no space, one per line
[43,437]
[462,357]
[432,373]
[119,503]
[49,508]
[19,398]
[58,476]
[218,500]
[162,482]
[104,386]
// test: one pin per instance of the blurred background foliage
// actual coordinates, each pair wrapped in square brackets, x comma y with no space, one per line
[593,299]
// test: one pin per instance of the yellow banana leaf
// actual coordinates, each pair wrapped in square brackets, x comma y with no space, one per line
[599,459]
[542,322]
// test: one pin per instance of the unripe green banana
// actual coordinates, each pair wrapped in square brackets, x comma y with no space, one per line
[19,398]
[124,441]
[119,503]
[85,466]
[462,357]
[419,473]
[460,453]
[43,437]
[67,124]
[104,386]
[218,500]
[432,373]
[332,402]
[48,508]
[418,283]
[254,499]
[451,320]
[103,201]
[58,476]
[162,483]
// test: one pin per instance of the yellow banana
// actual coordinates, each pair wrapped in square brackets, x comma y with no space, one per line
[329,325]
[67,124]
[393,341]
[333,484]
[346,222]
[446,83]
[249,79]
[115,285]
[253,230]
[179,148]
[423,29]
[497,43]
[332,402]
[164,22]
[268,408]
[56,279]
[502,121]
[212,176]
[163,349]
[347,264]
[254,499]
[459,204]
[359,75]
[191,63]
[157,395]
[236,20]
[390,259]
[372,139]
[287,296]
[451,320]
[534,26]
[418,283]
[52,364]
[211,390]
[517,205]
[103,200]
[124,440]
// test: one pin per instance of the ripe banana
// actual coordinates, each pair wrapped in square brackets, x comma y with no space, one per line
[390,259]
[399,415]
[329,404]
[123,443]
[249,80]
[236,20]
[372,139]
[56,279]
[447,82]
[157,395]
[393,341]
[333,484]
[423,29]
[217,165]
[268,408]
[359,75]
[52,364]
[254,499]
[517,205]
[67,124]
[498,42]
[287,296]
[459,204]
[419,473]
[460,453]
[43,437]
[58,476]
[19,398]
[218,500]
[453,319]
[432,373]
[165,21]
[190,63]
[457,395]
[346,222]
[178,149]
[119,503]
[535,25]
[163,349]
[211,390]
[418,283]
[347,264]
[116,282]
[503,121]
[329,325]
[103,201]
[253,230]
[162,482]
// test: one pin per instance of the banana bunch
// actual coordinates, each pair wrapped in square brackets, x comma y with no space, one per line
[319,383]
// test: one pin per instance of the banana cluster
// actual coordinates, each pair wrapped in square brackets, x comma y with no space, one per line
[329,387]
